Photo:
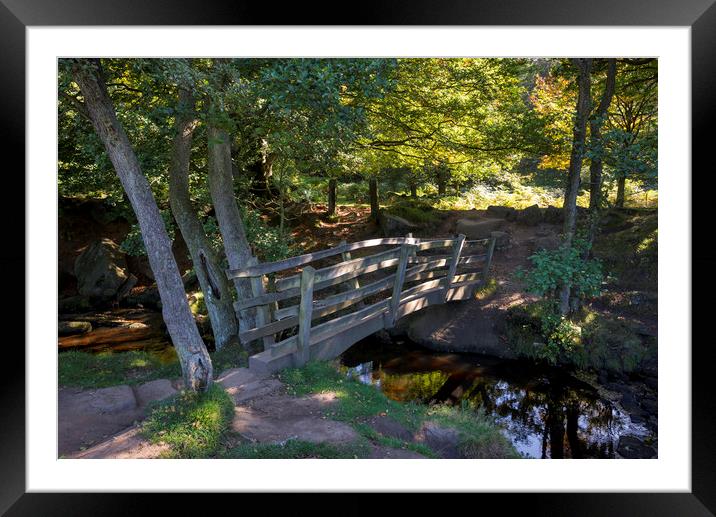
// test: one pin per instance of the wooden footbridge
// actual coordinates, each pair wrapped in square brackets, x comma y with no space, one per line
[309,313]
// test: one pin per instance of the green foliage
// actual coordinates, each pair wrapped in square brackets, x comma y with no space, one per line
[566,265]
[268,242]
[133,243]
[86,370]
[191,423]
[590,340]
[415,211]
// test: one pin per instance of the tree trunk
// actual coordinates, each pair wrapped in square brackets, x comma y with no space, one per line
[596,145]
[584,67]
[595,127]
[236,246]
[413,190]
[621,184]
[212,280]
[193,356]
[442,186]
[373,192]
[332,196]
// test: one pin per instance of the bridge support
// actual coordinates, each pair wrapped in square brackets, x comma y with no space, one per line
[305,313]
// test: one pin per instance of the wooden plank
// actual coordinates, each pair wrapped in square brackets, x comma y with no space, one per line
[472,259]
[263,316]
[344,269]
[327,340]
[488,260]
[355,284]
[432,284]
[272,328]
[303,338]
[454,261]
[438,243]
[300,260]
[340,301]
[405,251]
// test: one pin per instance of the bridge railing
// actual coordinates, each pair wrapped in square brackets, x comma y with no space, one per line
[320,312]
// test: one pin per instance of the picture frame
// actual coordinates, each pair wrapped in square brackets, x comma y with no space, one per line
[700,15]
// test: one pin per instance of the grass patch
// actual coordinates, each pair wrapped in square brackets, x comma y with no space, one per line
[296,449]
[191,423]
[357,402]
[487,290]
[86,370]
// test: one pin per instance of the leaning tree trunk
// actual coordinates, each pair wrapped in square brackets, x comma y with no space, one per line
[236,246]
[596,145]
[331,196]
[373,194]
[193,356]
[584,66]
[212,280]
[595,138]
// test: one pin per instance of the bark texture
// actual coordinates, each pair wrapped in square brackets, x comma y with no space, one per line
[584,68]
[332,183]
[373,194]
[595,137]
[212,280]
[236,246]
[193,356]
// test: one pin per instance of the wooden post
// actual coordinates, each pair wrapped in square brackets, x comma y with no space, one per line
[488,260]
[305,311]
[263,316]
[405,251]
[352,283]
[454,260]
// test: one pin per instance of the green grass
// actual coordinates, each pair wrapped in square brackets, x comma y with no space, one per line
[191,423]
[480,437]
[296,449]
[86,370]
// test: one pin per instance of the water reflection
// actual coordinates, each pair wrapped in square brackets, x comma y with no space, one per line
[545,413]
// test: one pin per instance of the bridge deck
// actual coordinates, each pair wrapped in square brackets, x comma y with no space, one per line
[320,313]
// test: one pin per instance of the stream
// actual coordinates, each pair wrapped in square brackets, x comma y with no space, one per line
[545,412]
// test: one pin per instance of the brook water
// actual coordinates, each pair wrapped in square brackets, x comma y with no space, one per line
[546,412]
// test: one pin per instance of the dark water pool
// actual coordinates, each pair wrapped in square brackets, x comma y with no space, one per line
[545,412]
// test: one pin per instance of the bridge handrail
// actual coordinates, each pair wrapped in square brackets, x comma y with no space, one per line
[300,260]
[438,275]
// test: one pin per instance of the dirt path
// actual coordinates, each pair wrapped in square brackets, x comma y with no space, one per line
[107,422]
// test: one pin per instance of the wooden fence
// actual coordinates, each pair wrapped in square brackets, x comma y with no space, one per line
[305,313]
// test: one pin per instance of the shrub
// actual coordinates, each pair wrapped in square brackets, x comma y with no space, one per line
[566,265]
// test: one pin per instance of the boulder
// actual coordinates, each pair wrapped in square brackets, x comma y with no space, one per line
[154,390]
[101,269]
[504,212]
[478,228]
[443,441]
[530,216]
[113,399]
[395,226]
[69,328]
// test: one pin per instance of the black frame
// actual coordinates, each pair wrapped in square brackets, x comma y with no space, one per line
[700,15]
